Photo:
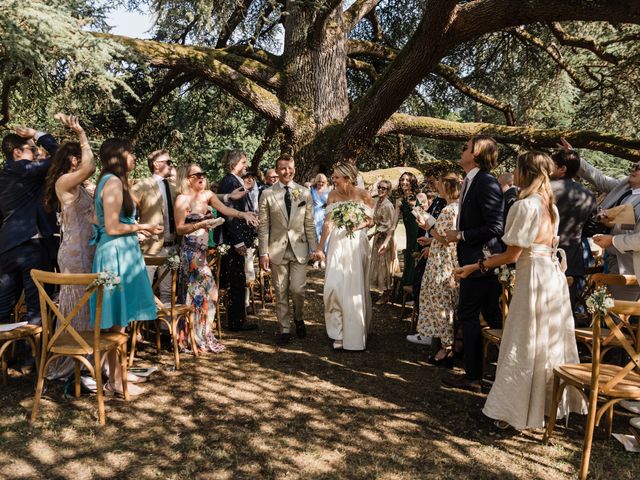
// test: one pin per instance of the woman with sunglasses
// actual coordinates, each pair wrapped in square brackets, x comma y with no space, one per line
[383,266]
[196,283]
[64,193]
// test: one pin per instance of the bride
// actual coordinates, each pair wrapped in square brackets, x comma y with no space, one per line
[347,301]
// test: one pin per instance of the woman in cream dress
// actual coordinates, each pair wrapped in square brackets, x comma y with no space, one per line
[347,300]
[539,332]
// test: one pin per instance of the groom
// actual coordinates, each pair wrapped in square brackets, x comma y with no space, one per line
[286,235]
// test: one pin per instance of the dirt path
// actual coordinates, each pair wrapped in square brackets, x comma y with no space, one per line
[257,411]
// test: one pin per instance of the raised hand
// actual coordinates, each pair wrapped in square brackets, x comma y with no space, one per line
[564,144]
[25,132]
[238,193]
[70,121]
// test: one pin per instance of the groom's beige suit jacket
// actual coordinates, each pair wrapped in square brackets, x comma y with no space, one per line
[277,230]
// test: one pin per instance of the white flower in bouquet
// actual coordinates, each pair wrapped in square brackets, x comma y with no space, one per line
[107,279]
[173,262]
[599,301]
[348,215]
[506,276]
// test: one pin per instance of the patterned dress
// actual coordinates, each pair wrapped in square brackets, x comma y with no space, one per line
[439,290]
[383,266]
[75,256]
[197,287]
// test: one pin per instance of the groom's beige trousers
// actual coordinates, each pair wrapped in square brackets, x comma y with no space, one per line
[289,280]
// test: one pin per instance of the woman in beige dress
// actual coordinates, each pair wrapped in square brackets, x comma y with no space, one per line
[539,332]
[65,193]
[383,265]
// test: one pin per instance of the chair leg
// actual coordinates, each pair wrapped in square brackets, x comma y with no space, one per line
[404,301]
[76,364]
[38,394]
[123,363]
[610,420]
[134,340]
[158,346]
[218,322]
[97,369]
[35,346]
[553,412]
[588,433]
[192,330]
[3,365]
[261,287]
[174,338]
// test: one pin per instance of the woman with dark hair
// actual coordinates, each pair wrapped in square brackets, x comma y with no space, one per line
[539,332]
[64,193]
[408,185]
[118,252]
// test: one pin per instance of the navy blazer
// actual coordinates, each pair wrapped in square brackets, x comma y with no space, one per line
[481,220]
[22,213]
[236,230]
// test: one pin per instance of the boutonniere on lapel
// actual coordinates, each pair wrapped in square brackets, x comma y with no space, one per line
[296,193]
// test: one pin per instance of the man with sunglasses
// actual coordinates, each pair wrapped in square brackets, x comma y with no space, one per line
[155,196]
[27,232]
[619,192]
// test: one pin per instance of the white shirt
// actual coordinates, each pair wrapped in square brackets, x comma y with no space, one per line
[167,230]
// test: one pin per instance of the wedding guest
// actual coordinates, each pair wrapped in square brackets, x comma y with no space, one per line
[196,284]
[408,185]
[575,205]
[319,193]
[383,266]
[539,332]
[118,252]
[347,301]
[439,289]
[618,192]
[27,238]
[479,226]
[240,235]
[155,197]
[64,191]
[271,177]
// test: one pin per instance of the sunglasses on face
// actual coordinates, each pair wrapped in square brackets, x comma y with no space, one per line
[197,175]
[273,176]
[33,148]
[383,188]
[168,162]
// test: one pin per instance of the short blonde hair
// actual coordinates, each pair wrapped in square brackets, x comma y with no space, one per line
[182,179]
[347,170]
[319,177]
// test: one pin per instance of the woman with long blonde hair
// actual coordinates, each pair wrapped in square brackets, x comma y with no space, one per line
[539,331]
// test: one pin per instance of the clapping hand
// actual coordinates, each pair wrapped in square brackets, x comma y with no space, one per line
[251,218]
[603,241]
[564,144]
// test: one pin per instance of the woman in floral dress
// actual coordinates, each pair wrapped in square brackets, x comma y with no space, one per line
[196,283]
[439,290]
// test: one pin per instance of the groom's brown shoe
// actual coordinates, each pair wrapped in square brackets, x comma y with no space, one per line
[301,329]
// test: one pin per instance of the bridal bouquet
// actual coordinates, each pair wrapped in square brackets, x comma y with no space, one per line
[348,215]
[599,301]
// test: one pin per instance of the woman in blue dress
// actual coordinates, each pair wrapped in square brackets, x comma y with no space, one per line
[118,252]
[319,194]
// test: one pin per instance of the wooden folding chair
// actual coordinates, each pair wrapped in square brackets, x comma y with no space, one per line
[608,340]
[30,333]
[261,278]
[596,380]
[66,341]
[168,313]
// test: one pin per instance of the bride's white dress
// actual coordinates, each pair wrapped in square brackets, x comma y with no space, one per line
[539,333]
[347,300]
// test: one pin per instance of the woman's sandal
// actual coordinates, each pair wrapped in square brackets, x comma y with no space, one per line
[501,424]
[337,345]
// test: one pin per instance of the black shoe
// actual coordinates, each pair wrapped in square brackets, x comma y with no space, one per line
[282,339]
[463,383]
[301,329]
[243,327]
[446,361]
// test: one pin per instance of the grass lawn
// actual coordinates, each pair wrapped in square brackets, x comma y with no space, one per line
[256,411]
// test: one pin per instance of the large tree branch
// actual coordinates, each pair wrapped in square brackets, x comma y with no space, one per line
[357,12]
[234,20]
[541,138]
[447,24]
[525,36]
[211,65]
[587,43]
[267,139]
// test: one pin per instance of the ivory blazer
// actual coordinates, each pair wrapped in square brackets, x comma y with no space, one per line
[277,230]
[151,210]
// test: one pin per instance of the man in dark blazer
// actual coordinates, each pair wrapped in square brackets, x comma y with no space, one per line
[575,205]
[480,227]
[239,236]
[27,238]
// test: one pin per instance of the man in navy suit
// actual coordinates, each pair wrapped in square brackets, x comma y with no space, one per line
[239,236]
[479,229]
[26,231]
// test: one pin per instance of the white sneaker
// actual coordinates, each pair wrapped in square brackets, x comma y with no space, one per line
[419,339]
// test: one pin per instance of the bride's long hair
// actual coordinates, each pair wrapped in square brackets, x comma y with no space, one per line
[534,171]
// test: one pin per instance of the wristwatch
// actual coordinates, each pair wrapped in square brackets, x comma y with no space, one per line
[459,235]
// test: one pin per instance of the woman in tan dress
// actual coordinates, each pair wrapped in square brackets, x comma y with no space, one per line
[65,193]
[384,265]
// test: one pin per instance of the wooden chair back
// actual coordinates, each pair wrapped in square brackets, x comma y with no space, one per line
[50,310]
